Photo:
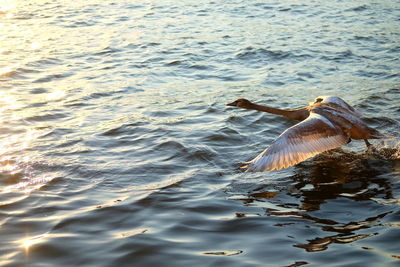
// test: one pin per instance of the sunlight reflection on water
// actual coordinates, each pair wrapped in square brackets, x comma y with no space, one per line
[117,146]
[6,6]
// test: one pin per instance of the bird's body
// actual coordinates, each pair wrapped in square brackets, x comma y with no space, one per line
[327,123]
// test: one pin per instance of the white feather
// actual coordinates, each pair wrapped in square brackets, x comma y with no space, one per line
[312,136]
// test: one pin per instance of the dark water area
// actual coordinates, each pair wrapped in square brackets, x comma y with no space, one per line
[117,147]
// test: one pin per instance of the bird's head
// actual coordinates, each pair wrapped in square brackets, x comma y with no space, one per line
[240,103]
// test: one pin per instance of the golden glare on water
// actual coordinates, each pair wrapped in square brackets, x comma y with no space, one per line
[8,102]
[14,162]
[28,242]
[56,95]
[6,6]
[22,166]
[116,142]
[36,45]
[6,71]
[17,142]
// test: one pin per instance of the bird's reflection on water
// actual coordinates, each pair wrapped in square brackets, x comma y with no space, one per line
[346,234]
[353,180]
[341,174]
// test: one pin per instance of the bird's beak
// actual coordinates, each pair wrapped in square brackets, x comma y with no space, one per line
[233,104]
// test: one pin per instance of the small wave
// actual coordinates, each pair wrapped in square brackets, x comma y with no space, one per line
[52,77]
[24,176]
[171,146]
[46,117]
[393,91]
[378,102]
[338,56]
[7,71]
[367,38]
[263,6]
[22,16]
[126,129]
[39,91]
[199,67]
[222,138]
[107,50]
[39,63]
[174,63]
[380,122]
[188,65]
[151,44]
[306,75]
[16,72]
[358,8]
[102,94]
[375,74]
[250,52]
[79,24]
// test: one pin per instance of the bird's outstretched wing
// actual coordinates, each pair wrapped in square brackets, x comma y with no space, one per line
[308,138]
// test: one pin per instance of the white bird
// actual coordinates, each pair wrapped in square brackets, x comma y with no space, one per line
[327,123]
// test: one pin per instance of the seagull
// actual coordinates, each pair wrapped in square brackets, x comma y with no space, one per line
[327,123]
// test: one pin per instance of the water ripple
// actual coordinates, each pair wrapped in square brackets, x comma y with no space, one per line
[117,145]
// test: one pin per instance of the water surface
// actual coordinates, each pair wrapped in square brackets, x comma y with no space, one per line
[117,147]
